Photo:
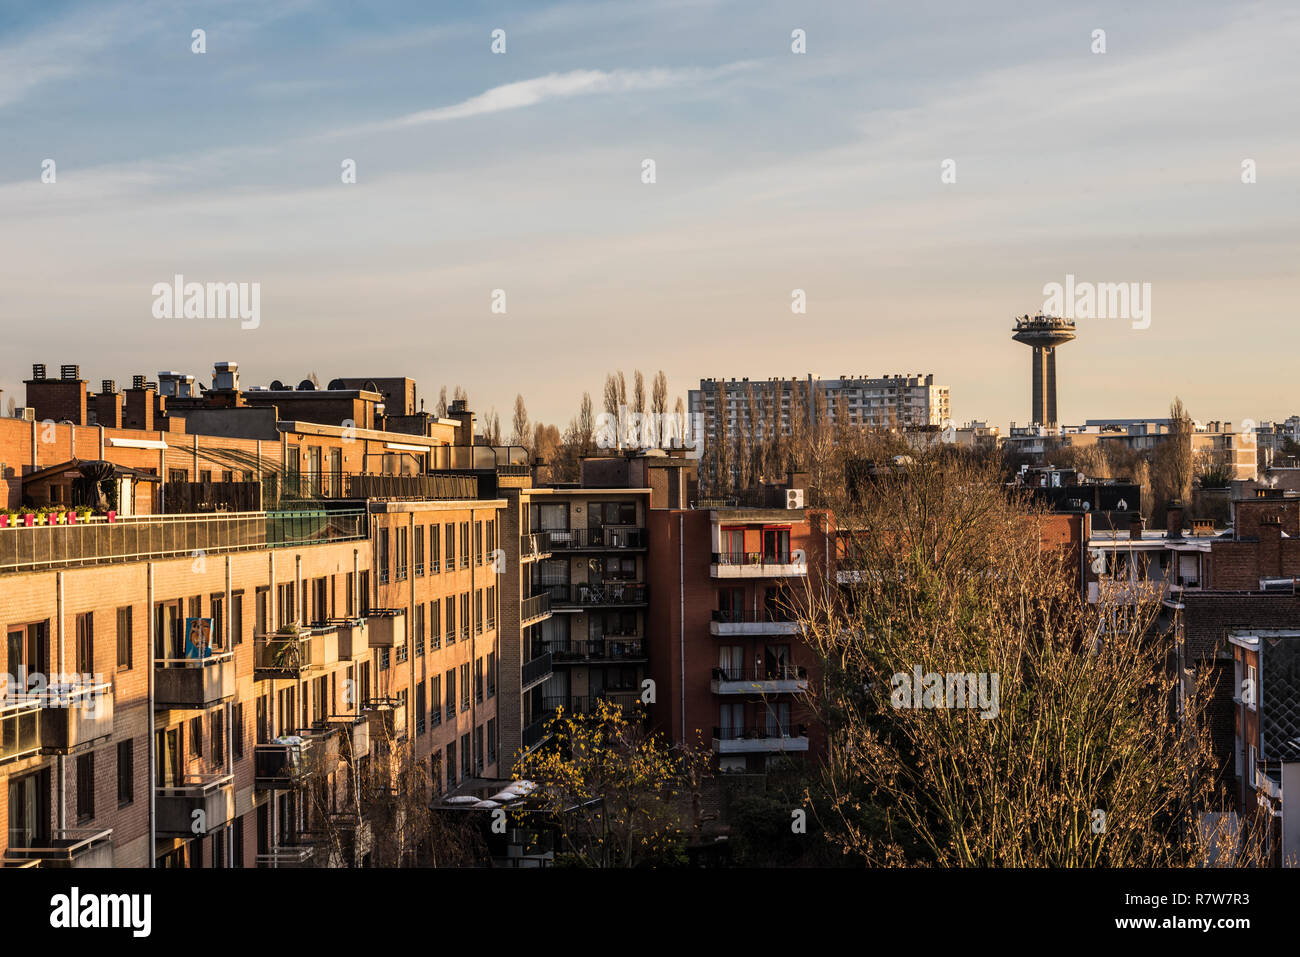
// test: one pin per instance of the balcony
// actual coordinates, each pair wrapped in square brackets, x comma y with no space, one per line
[613,594]
[74,715]
[387,627]
[283,764]
[536,671]
[70,847]
[761,680]
[534,546]
[620,649]
[590,704]
[289,653]
[354,734]
[297,488]
[20,730]
[757,565]
[387,717]
[605,539]
[533,609]
[537,732]
[196,805]
[731,623]
[288,853]
[760,740]
[194,683]
[353,639]
[158,537]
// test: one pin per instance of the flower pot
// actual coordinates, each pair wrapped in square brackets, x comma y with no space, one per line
[72,518]
[4,521]
[29,519]
[112,515]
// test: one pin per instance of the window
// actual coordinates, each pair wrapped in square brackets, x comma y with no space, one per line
[491,607]
[285,609]
[236,618]
[124,635]
[349,602]
[419,551]
[261,612]
[451,619]
[419,709]
[86,786]
[384,658]
[86,643]
[776,546]
[478,680]
[478,611]
[464,687]
[464,544]
[363,591]
[464,616]
[435,549]
[492,741]
[491,536]
[217,603]
[401,554]
[464,753]
[1253,686]
[263,721]
[451,694]
[381,556]
[451,547]
[435,700]
[125,772]
[237,731]
[196,736]
[478,750]
[417,629]
[435,624]
[491,673]
[478,543]
[218,738]
[451,765]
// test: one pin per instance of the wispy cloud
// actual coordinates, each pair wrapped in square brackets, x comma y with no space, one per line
[552,86]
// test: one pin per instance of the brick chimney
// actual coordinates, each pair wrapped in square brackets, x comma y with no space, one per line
[108,405]
[1174,520]
[138,413]
[58,399]
[1270,548]
[459,411]
[1136,525]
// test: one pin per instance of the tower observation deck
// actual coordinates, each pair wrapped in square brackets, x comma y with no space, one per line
[1043,334]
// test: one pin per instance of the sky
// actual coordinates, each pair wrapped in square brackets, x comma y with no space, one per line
[522,171]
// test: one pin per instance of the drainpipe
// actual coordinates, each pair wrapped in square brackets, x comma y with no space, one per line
[101,441]
[36,458]
[59,626]
[227,722]
[681,612]
[152,638]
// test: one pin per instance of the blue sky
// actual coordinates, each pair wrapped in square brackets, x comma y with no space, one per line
[775,171]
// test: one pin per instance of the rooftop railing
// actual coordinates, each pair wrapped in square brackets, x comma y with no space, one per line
[156,537]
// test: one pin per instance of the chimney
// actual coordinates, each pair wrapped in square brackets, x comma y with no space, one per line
[1136,525]
[59,399]
[1270,547]
[459,411]
[139,405]
[1174,520]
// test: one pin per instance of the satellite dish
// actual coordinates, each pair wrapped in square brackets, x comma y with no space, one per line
[277,385]
[306,385]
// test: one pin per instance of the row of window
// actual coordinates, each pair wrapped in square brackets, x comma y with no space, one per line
[392,550]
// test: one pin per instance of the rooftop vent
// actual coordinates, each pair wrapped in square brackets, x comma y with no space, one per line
[69,373]
[137,382]
[107,386]
[38,370]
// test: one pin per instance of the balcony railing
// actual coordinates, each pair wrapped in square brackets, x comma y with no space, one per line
[757,564]
[534,546]
[71,847]
[590,704]
[387,627]
[621,649]
[294,487]
[157,537]
[534,608]
[753,622]
[387,718]
[285,655]
[74,714]
[536,670]
[586,594]
[759,680]
[194,683]
[760,738]
[538,731]
[20,730]
[606,538]
[288,853]
[354,733]
[202,801]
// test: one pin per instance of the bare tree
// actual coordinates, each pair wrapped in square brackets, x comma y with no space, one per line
[440,409]
[460,395]
[521,433]
[659,394]
[492,427]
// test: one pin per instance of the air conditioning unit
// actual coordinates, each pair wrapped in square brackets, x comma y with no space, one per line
[25,412]
[794,498]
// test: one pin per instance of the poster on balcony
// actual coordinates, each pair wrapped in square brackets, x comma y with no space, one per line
[198,637]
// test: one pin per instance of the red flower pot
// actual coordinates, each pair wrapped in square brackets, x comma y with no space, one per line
[112,515]
[29,519]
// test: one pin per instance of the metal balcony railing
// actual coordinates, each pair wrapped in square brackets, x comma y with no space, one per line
[284,655]
[537,669]
[535,545]
[753,558]
[751,616]
[621,649]
[534,607]
[603,593]
[760,731]
[761,673]
[605,538]
[156,537]
[20,730]
[288,487]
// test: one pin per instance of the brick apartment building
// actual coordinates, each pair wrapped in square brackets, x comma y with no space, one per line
[275,605]
[728,667]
